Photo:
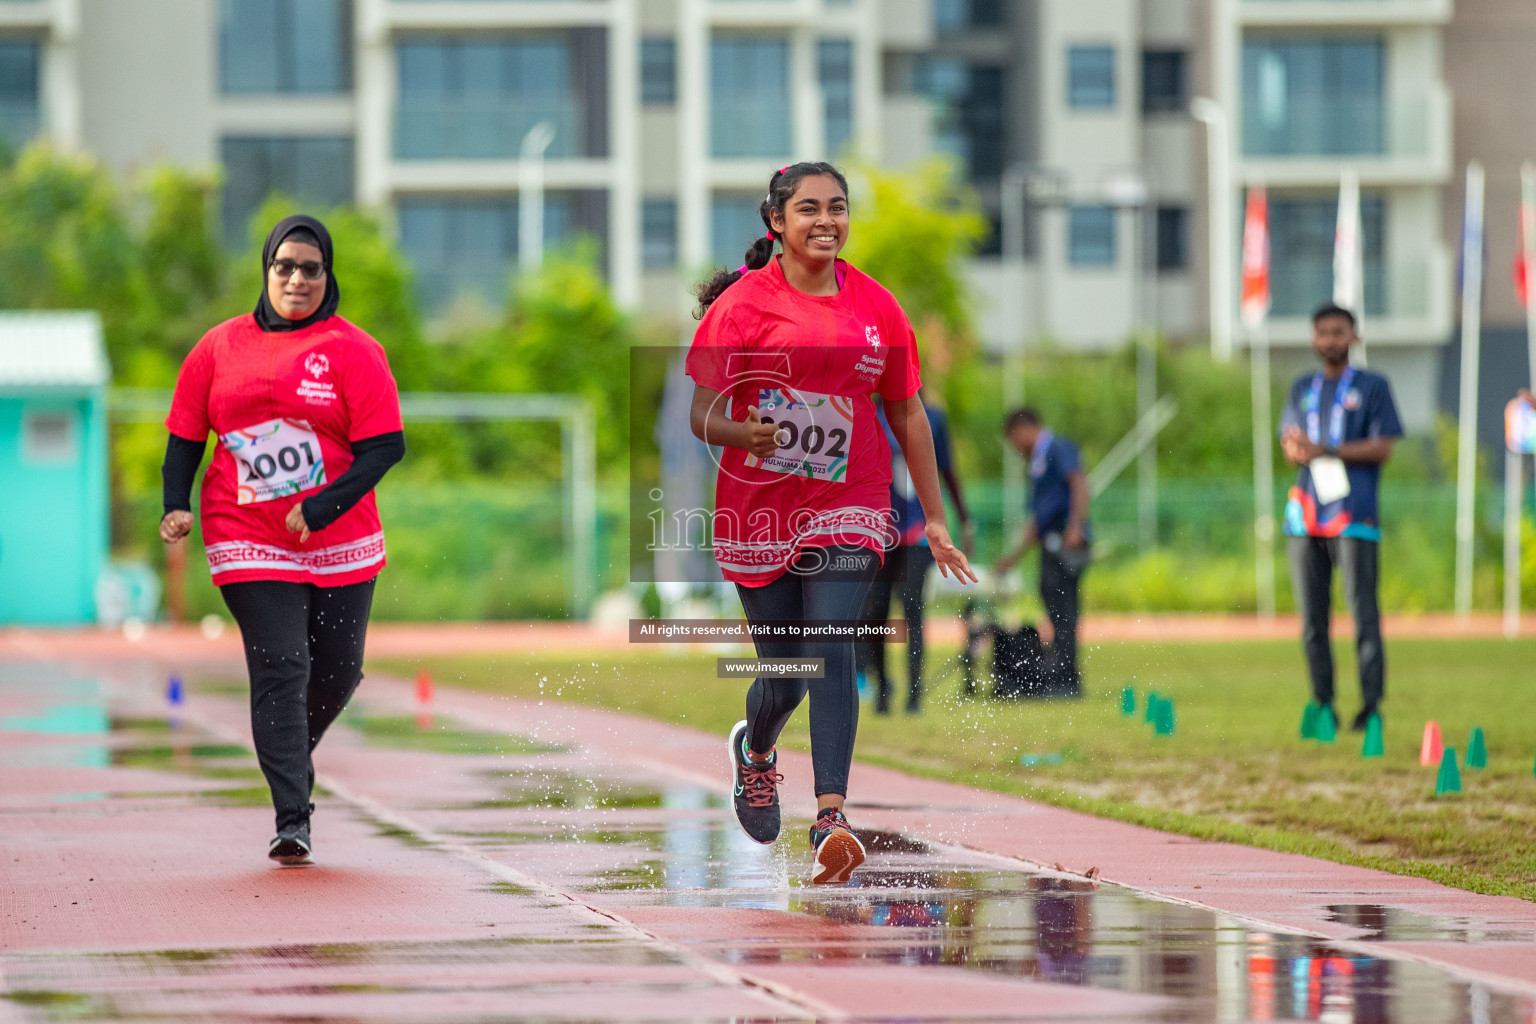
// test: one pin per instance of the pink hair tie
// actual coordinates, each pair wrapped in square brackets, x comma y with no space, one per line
[743,269]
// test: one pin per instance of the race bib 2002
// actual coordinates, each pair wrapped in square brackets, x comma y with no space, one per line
[276,458]
[814,435]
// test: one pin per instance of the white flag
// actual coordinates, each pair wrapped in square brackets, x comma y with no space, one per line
[1349,249]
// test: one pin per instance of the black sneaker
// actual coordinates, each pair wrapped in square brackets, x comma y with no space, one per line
[837,850]
[755,789]
[290,847]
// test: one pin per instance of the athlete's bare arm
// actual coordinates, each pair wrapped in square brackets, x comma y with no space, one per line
[909,422]
[712,426]
[1077,513]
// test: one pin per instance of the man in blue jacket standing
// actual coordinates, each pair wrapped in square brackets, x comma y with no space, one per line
[1338,427]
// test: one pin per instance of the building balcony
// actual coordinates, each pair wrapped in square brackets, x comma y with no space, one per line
[481,14]
[1402,142]
[1343,13]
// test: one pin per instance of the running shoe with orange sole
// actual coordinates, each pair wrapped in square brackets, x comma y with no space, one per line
[838,851]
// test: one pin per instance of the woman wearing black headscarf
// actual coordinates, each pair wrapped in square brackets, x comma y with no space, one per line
[308,421]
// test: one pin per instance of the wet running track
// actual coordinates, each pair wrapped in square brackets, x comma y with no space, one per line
[525,861]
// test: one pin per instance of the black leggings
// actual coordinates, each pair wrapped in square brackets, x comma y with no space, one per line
[822,584]
[304,650]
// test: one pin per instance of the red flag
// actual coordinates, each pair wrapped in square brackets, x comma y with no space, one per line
[1255,305]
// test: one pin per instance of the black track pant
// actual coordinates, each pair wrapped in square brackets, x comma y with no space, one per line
[905,571]
[1312,563]
[304,650]
[822,584]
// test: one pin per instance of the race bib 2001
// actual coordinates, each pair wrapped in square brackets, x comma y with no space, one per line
[814,435]
[276,458]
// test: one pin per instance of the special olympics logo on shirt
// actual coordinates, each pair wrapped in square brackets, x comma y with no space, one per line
[872,335]
[317,364]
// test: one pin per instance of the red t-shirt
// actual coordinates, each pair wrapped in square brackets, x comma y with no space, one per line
[810,363]
[286,407]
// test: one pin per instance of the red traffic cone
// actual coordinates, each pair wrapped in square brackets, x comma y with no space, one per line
[423,687]
[1432,749]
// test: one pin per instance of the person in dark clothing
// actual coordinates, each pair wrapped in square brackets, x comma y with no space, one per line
[906,566]
[308,421]
[1338,427]
[1058,522]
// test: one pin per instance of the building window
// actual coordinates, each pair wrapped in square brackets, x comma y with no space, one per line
[834,67]
[1162,82]
[285,46]
[1314,97]
[749,102]
[19,110]
[658,70]
[1091,77]
[733,225]
[476,97]
[49,437]
[969,122]
[658,234]
[467,245]
[311,170]
[1091,236]
[1172,242]
[1301,252]
[959,15]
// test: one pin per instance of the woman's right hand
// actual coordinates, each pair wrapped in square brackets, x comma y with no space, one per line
[762,438]
[176,525]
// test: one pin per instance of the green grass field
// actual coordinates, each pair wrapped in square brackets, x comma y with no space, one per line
[1235,769]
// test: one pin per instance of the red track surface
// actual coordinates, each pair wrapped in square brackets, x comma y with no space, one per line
[456,886]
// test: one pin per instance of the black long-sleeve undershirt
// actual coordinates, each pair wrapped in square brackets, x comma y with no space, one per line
[372,457]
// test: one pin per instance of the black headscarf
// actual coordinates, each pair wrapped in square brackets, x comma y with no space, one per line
[270,319]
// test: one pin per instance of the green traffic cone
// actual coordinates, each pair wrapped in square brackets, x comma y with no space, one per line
[1309,721]
[1449,779]
[1374,743]
[1477,750]
[1164,723]
[1324,729]
[1128,701]
[1152,699]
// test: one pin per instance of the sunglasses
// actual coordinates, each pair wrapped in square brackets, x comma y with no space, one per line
[312,270]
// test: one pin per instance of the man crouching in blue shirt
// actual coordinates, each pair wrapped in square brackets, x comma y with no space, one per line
[1058,520]
[1338,427]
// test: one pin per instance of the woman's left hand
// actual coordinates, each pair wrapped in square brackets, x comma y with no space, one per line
[296,523]
[949,558]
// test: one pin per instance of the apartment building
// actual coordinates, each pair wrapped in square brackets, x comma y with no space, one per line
[668,114]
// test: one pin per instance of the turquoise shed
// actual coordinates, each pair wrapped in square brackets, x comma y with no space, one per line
[53,466]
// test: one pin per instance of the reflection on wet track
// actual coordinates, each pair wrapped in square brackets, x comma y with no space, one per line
[640,847]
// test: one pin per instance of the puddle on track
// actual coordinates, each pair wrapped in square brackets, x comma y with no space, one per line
[631,845]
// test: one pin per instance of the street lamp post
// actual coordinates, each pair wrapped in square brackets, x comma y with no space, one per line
[530,196]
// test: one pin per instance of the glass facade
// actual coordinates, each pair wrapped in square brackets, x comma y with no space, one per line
[658,70]
[475,97]
[313,170]
[20,114]
[285,46]
[733,224]
[1319,96]
[1163,89]
[749,97]
[959,15]
[1301,234]
[1091,236]
[459,244]
[834,68]
[1090,77]
[969,121]
[658,234]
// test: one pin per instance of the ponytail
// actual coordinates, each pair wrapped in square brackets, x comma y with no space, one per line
[781,188]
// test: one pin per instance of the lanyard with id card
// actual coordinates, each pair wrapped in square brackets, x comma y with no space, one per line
[1330,478]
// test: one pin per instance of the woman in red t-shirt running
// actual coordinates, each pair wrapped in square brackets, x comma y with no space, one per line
[799,344]
[308,421]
